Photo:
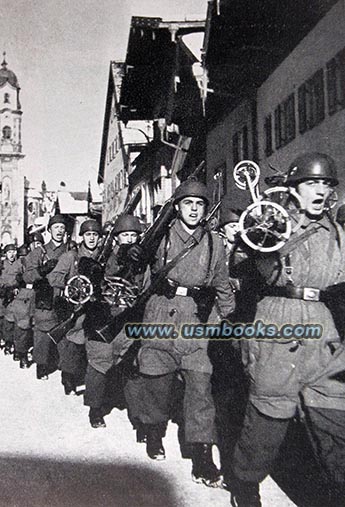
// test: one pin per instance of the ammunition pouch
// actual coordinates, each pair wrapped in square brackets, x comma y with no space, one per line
[44,294]
[204,297]
[334,298]
[9,295]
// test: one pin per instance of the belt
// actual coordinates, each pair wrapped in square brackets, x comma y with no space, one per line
[292,292]
[180,290]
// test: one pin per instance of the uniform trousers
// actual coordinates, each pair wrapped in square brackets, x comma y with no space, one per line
[262,437]
[44,348]
[95,387]
[22,339]
[8,331]
[153,405]
[72,358]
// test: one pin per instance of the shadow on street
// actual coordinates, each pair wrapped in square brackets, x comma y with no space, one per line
[39,482]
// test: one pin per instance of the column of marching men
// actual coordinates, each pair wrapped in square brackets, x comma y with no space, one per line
[238,394]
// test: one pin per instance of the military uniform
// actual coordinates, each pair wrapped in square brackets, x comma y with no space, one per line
[44,316]
[23,308]
[283,371]
[100,375]
[72,359]
[182,300]
[9,284]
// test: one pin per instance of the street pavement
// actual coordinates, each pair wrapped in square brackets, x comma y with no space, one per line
[51,457]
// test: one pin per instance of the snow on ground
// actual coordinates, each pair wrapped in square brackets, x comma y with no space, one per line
[51,457]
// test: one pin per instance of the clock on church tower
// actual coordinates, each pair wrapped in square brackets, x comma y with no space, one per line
[11,178]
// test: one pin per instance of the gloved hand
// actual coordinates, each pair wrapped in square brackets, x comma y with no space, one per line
[136,254]
[47,267]
[19,280]
[10,293]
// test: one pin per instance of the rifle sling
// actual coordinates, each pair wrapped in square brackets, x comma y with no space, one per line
[110,330]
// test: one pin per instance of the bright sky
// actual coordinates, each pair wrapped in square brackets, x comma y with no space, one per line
[60,51]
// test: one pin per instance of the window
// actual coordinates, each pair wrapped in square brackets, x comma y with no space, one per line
[6,132]
[289,127]
[268,135]
[311,102]
[6,98]
[240,145]
[284,125]
[235,149]
[244,143]
[336,82]
[277,126]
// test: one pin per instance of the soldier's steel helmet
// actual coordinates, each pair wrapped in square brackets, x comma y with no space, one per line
[10,246]
[36,236]
[191,188]
[310,166]
[126,223]
[56,219]
[22,250]
[90,225]
[340,218]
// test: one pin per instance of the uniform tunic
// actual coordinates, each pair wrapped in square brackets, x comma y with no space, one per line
[158,357]
[45,320]
[72,347]
[280,368]
[8,278]
[284,370]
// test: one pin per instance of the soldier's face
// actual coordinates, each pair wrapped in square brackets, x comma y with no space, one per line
[230,231]
[35,244]
[313,194]
[191,210]
[57,232]
[90,239]
[11,255]
[127,238]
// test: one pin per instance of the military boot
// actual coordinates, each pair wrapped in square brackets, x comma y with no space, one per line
[8,349]
[141,434]
[16,356]
[204,470]
[245,494]
[69,383]
[23,361]
[96,418]
[41,372]
[154,443]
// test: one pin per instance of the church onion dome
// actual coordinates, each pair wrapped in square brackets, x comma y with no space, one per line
[7,75]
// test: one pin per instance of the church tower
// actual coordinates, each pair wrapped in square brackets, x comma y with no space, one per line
[11,179]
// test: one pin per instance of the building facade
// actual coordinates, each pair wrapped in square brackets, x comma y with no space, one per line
[11,177]
[121,144]
[278,82]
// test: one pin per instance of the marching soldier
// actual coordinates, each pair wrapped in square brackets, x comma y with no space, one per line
[297,282]
[39,263]
[71,348]
[186,295]
[100,355]
[23,308]
[9,287]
